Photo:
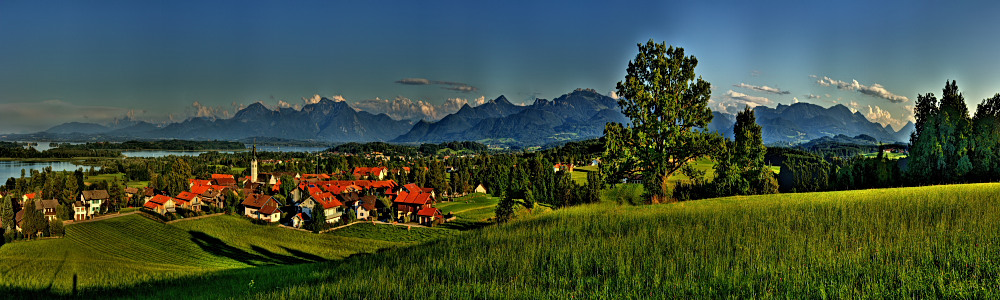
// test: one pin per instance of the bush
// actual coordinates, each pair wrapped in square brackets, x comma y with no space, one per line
[625,193]
[56,228]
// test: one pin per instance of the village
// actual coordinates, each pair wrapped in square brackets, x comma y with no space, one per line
[317,202]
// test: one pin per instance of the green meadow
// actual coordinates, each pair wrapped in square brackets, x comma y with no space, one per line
[922,242]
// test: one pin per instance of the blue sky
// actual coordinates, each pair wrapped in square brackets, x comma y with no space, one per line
[97,60]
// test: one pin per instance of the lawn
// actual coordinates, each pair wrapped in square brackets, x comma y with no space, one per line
[473,207]
[110,177]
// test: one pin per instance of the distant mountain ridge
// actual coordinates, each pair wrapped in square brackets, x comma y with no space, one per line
[802,122]
[578,115]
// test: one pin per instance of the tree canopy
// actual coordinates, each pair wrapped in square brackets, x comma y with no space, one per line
[667,105]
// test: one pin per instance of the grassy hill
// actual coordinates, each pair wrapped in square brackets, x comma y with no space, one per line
[926,242]
[132,251]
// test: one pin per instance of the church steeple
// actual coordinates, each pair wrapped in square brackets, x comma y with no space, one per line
[253,162]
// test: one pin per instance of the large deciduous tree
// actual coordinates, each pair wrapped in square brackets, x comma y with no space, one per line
[667,105]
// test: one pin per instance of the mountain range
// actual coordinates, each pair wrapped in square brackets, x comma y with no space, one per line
[578,115]
[802,122]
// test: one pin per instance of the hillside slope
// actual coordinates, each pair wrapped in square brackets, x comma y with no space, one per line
[133,251]
[925,242]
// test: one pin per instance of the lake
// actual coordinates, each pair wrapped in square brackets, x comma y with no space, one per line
[13,168]
[162,153]
[10,169]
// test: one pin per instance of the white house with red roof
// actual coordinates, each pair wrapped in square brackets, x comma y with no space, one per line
[161,204]
[261,207]
[189,200]
[332,208]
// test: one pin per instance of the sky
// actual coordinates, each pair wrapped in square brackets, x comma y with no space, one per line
[163,61]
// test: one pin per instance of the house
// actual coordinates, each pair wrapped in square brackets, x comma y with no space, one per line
[226,182]
[79,210]
[189,200]
[198,182]
[48,208]
[413,188]
[161,204]
[430,216]
[209,195]
[480,189]
[148,194]
[333,209]
[409,203]
[371,173]
[27,197]
[130,193]
[94,200]
[563,167]
[298,220]
[261,207]
[366,206]
[17,219]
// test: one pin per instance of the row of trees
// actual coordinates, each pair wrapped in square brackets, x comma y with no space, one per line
[950,146]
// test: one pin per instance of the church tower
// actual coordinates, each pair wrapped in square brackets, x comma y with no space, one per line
[253,163]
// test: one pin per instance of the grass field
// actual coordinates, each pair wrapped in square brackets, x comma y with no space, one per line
[110,177]
[473,207]
[888,155]
[924,242]
[132,250]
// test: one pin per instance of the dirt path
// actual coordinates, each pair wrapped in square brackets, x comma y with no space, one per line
[373,222]
[104,217]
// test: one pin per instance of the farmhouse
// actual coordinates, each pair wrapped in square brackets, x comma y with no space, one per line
[79,210]
[298,220]
[161,204]
[189,200]
[371,173]
[48,208]
[261,207]
[409,203]
[430,216]
[332,208]
[94,199]
[130,192]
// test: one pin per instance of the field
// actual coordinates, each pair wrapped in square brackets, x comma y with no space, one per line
[131,250]
[110,177]
[924,242]
[888,155]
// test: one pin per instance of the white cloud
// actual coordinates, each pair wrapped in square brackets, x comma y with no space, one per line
[402,108]
[762,88]
[732,102]
[881,116]
[199,110]
[613,95]
[811,96]
[478,101]
[338,98]
[874,90]
[795,99]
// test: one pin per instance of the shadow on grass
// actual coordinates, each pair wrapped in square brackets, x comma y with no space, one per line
[258,256]
[464,225]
